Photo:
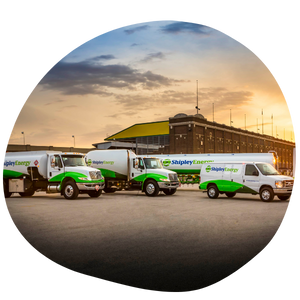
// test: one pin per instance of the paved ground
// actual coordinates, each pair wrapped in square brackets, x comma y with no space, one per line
[167,243]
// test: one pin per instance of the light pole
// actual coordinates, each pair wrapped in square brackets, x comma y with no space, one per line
[73,136]
[23,137]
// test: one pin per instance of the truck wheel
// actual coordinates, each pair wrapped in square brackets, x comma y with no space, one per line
[109,190]
[28,193]
[70,190]
[95,194]
[7,194]
[283,198]
[170,192]
[213,192]
[266,194]
[151,188]
[230,194]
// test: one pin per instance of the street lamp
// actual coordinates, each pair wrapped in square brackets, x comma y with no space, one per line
[74,140]
[23,136]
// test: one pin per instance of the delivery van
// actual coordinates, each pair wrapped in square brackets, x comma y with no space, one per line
[255,178]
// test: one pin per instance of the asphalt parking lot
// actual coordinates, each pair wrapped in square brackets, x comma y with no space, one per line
[168,243]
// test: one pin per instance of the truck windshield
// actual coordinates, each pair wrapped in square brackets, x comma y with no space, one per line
[73,160]
[267,169]
[152,163]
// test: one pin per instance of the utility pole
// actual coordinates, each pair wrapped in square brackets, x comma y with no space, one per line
[197,107]
[23,137]
[74,140]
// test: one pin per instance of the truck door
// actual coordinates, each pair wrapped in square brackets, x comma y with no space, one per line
[137,168]
[55,167]
[251,178]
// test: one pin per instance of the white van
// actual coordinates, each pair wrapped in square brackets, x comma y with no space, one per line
[254,178]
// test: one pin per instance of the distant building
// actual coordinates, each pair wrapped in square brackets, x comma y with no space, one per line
[194,134]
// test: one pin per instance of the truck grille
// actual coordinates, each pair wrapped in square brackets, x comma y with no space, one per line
[173,177]
[289,183]
[95,175]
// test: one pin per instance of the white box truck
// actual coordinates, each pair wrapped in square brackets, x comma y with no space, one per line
[245,177]
[122,169]
[188,166]
[50,171]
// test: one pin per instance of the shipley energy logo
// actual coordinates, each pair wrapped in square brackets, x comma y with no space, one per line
[208,169]
[166,162]
[181,162]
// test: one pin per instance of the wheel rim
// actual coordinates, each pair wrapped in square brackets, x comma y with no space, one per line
[69,191]
[150,188]
[265,195]
[212,192]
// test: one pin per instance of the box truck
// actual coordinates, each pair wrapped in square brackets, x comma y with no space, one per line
[122,169]
[50,171]
[245,177]
[188,166]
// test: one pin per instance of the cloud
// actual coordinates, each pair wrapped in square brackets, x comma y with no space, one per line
[54,102]
[152,56]
[156,99]
[179,27]
[223,97]
[88,77]
[102,57]
[135,29]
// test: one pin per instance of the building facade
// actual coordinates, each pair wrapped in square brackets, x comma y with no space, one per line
[189,134]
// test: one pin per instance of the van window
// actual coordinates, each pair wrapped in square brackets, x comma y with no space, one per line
[251,171]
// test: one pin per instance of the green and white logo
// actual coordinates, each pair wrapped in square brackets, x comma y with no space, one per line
[208,169]
[166,162]
[89,162]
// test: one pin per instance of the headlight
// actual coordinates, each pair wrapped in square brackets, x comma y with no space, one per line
[83,178]
[163,179]
[279,184]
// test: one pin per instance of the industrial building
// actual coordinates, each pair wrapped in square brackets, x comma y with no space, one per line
[195,134]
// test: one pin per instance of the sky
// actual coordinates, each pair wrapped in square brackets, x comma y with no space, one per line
[149,72]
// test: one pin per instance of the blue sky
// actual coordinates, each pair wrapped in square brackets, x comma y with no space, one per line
[147,72]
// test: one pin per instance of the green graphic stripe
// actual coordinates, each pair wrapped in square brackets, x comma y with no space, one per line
[111,174]
[154,176]
[227,186]
[11,174]
[74,175]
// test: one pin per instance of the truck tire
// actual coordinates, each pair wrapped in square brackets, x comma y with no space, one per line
[95,194]
[170,192]
[283,198]
[109,190]
[7,194]
[151,188]
[230,194]
[212,191]
[266,194]
[70,190]
[28,193]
